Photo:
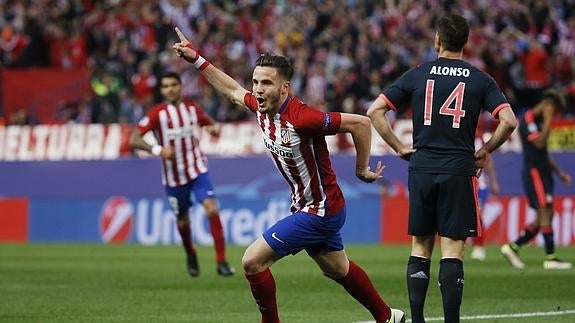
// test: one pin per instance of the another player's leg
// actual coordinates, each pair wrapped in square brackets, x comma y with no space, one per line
[551,260]
[204,192]
[212,211]
[511,250]
[478,251]
[451,278]
[179,199]
[183,224]
[257,259]
[336,265]
[417,275]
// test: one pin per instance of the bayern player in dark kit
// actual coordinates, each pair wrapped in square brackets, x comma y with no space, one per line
[294,134]
[447,96]
[537,174]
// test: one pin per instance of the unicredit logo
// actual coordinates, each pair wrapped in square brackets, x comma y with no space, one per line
[116,220]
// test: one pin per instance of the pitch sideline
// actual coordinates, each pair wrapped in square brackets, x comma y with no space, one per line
[496,316]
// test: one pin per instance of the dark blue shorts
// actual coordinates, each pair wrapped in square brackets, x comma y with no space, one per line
[180,197]
[443,204]
[307,231]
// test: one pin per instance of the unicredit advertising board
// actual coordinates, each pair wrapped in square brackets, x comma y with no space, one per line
[122,201]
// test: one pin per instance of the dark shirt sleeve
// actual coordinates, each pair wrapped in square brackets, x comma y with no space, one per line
[494,100]
[398,94]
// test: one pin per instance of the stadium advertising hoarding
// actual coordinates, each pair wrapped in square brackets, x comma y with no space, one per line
[97,141]
[122,201]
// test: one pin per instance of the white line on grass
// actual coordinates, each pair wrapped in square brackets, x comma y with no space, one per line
[497,316]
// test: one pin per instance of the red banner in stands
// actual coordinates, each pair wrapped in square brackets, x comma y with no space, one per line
[40,92]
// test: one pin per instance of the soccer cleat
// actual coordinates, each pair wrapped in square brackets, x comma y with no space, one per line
[511,256]
[225,270]
[478,253]
[192,263]
[556,264]
[397,316]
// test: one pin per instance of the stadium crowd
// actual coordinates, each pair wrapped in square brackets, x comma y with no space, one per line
[344,52]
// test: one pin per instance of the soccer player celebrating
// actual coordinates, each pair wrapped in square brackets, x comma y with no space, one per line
[447,96]
[175,124]
[538,169]
[294,133]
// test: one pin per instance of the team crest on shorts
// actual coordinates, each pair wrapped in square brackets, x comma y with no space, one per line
[285,134]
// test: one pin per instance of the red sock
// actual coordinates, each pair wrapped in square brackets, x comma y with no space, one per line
[479,241]
[186,235]
[263,288]
[218,235]
[358,285]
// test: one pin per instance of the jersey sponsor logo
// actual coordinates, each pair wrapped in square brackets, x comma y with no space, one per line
[278,149]
[116,220]
[177,133]
[449,71]
[285,134]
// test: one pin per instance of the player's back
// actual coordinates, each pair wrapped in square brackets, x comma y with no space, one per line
[447,96]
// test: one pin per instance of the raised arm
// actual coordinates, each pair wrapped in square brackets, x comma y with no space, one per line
[377,112]
[360,129]
[221,81]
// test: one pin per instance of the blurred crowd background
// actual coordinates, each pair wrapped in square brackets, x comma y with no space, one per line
[345,52]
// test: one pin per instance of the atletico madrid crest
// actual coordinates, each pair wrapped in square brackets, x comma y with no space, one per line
[285,134]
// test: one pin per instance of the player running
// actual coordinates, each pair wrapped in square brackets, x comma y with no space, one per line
[294,134]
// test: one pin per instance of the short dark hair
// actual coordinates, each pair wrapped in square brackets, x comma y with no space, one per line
[556,97]
[170,75]
[282,63]
[453,32]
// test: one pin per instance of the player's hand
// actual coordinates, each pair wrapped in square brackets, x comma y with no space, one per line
[481,157]
[367,175]
[184,48]
[167,153]
[214,129]
[405,153]
[565,178]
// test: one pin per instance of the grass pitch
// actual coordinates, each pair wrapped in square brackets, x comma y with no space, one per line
[132,283]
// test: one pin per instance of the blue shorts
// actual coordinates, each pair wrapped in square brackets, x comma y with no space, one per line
[180,197]
[307,231]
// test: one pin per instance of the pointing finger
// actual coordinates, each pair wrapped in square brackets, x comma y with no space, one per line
[183,38]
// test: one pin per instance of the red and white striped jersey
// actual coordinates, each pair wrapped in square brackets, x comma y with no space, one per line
[295,138]
[178,127]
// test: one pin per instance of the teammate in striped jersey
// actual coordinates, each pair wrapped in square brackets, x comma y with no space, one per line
[175,124]
[294,133]
[538,169]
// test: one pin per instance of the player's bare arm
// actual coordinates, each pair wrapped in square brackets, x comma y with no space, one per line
[506,126]
[222,82]
[377,112]
[360,129]
[562,174]
[138,142]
